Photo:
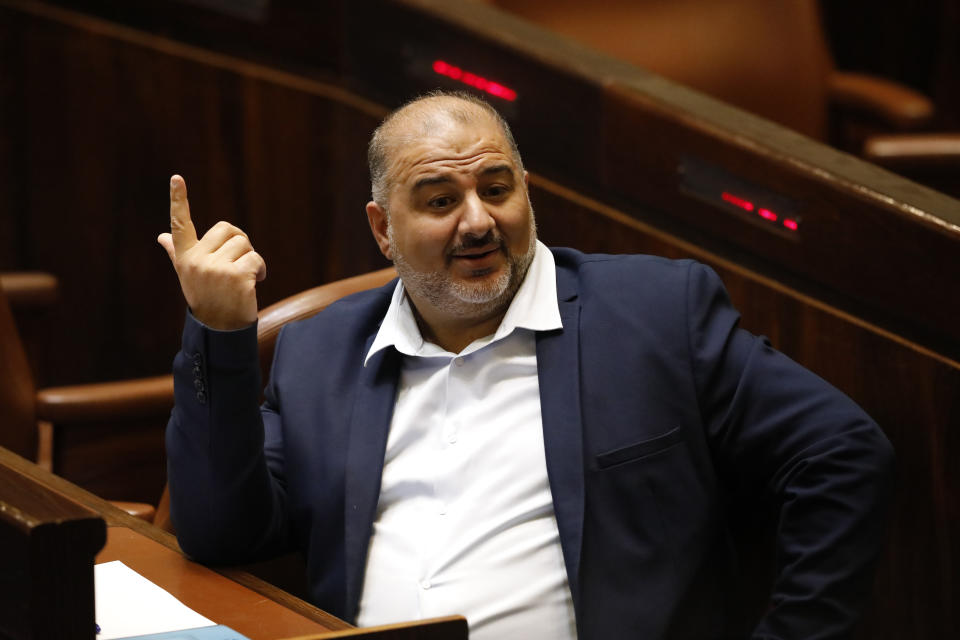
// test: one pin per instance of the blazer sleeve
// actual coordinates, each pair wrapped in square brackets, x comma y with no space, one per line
[779,433]
[227,503]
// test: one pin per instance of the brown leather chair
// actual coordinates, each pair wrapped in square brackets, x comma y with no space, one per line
[32,419]
[769,58]
[31,296]
[309,303]
[18,426]
[29,289]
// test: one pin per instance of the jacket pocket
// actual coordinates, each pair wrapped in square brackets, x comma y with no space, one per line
[639,449]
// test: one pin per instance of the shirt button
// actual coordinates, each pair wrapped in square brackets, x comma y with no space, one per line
[458,361]
[425,584]
[452,438]
[443,508]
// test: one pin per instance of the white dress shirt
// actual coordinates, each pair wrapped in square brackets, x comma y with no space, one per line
[465,522]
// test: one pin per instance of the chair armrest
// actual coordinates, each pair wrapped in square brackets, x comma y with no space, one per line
[310,302]
[892,102]
[140,510]
[29,289]
[915,151]
[106,400]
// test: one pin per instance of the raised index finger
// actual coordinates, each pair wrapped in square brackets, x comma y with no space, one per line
[181,226]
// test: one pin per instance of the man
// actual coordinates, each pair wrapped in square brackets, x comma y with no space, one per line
[544,441]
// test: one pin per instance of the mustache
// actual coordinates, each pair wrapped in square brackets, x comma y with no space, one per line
[473,242]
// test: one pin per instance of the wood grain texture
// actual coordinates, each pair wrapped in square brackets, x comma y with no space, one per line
[279,156]
[46,565]
[204,590]
[446,628]
[115,517]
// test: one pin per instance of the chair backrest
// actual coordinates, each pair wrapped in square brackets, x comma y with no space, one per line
[309,303]
[271,320]
[18,424]
[770,58]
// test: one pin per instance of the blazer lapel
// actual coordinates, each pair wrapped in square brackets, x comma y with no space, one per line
[558,370]
[369,426]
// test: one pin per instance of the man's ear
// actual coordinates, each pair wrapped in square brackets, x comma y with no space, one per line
[377,217]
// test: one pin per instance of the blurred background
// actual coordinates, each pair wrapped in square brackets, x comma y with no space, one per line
[808,151]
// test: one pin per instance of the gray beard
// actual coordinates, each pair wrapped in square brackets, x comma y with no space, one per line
[466,299]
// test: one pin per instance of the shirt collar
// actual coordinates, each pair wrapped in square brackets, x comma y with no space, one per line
[534,307]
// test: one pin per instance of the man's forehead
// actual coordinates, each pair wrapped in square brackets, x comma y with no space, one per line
[475,146]
[442,175]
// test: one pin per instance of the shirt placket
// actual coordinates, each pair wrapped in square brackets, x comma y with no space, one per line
[445,437]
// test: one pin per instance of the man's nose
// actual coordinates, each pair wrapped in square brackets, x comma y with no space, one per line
[476,219]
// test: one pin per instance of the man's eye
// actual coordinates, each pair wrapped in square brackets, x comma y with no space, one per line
[441,202]
[497,191]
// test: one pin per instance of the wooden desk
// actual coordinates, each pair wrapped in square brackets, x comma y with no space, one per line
[206,591]
[231,597]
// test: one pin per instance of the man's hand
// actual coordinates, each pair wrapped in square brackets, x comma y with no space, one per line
[219,272]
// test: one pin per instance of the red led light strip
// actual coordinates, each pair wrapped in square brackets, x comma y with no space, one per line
[746,205]
[766,214]
[475,81]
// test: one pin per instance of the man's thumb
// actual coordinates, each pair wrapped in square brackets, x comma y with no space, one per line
[165,240]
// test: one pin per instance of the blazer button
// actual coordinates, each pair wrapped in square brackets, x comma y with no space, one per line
[197,359]
[198,384]
[197,372]
[201,397]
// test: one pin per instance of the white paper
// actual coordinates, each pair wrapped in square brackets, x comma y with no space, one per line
[130,605]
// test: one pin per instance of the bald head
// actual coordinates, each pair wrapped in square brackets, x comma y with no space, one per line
[420,118]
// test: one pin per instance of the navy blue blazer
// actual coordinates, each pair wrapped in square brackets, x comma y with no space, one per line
[659,415]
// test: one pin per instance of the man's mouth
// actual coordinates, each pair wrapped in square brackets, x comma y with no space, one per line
[476,254]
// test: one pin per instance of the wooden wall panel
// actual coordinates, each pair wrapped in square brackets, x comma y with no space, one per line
[110,119]
[844,225]
[11,147]
[621,135]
